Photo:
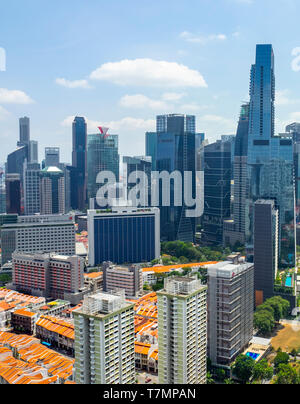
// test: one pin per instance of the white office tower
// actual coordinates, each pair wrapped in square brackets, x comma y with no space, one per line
[104,340]
[182,331]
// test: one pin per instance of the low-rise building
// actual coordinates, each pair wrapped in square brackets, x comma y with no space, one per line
[24,321]
[129,279]
[56,331]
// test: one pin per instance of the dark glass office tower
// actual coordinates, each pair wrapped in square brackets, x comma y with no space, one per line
[240,173]
[24,125]
[13,193]
[131,166]
[217,191]
[102,155]
[79,163]
[270,158]
[174,146]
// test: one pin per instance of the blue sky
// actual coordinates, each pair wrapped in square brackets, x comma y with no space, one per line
[119,63]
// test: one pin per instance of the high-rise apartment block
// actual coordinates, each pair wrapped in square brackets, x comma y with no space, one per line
[39,233]
[129,279]
[182,331]
[230,311]
[49,275]
[123,235]
[104,340]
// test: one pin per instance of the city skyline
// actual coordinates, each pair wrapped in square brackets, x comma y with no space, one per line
[189,78]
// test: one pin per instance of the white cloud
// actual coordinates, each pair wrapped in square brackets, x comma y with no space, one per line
[14,97]
[124,124]
[149,72]
[72,84]
[202,39]
[283,97]
[141,101]
[296,62]
[172,96]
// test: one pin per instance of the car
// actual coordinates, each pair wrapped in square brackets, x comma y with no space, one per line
[148,380]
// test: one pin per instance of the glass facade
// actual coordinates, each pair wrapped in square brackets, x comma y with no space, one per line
[173,148]
[79,179]
[270,157]
[124,239]
[102,155]
[217,190]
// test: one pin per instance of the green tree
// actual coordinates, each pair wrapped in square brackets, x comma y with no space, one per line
[282,358]
[209,378]
[264,322]
[243,368]
[287,375]
[262,370]
[220,374]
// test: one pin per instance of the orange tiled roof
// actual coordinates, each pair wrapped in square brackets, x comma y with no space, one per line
[55,363]
[141,348]
[93,275]
[57,325]
[168,268]
[24,312]
[15,371]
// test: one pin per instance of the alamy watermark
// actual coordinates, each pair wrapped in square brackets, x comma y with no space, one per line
[2,60]
[166,189]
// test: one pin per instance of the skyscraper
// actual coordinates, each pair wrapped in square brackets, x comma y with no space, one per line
[230,311]
[79,164]
[182,331]
[265,248]
[131,166]
[24,126]
[31,188]
[52,191]
[102,155]
[104,340]
[234,229]
[52,157]
[217,190]
[13,193]
[173,149]
[270,158]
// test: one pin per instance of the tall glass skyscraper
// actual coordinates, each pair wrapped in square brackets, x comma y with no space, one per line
[79,163]
[102,155]
[173,148]
[270,157]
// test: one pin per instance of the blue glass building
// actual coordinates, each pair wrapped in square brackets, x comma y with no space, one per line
[79,164]
[173,148]
[123,236]
[270,157]
[102,155]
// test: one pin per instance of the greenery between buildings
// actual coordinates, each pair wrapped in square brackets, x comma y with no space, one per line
[270,313]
